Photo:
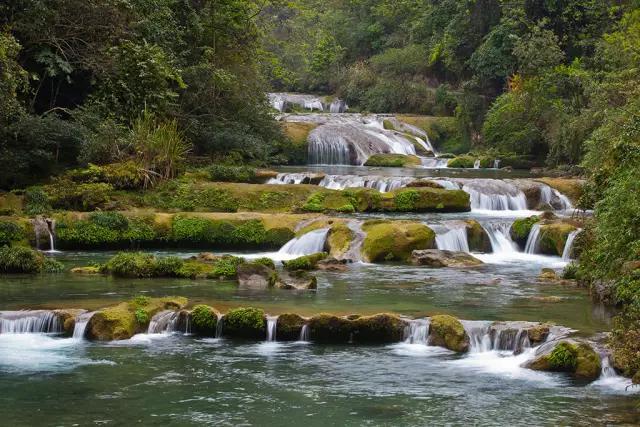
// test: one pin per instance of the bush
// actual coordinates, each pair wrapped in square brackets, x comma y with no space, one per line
[563,357]
[267,262]
[306,262]
[52,266]
[226,267]
[131,264]
[67,195]
[110,220]
[224,173]
[142,317]
[245,323]
[204,319]
[169,267]
[20,260]
[36,201]
[10,232]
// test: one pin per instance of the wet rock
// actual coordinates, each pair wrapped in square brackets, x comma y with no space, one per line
[256,276]
[380,329]
[395,240]
[68,319]
[289,326]
[327,328]
[447,331]
[332,264]
[574,357]
[553,237]
[477,237]
[298,280]
[548,275]
[339,240]
[538,334]
[437,258]
[204,320]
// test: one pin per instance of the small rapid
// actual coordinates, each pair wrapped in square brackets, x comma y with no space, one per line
[29,322]
[307,244]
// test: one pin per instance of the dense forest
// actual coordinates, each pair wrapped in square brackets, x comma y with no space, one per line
[151,88]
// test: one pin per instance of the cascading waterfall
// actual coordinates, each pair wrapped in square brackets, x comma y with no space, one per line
[307,244]
[329,149]
[45,226]
[80,328]
[163,322]
[304,333]
[383,184]
[496,164]
[500,237]
[272,324]
[289,178]
[417,331]
[495,195]
[479,333]
[354,252]
[338,106]
[476,164]
[219,325]
[484,336]
[533,241]
[555,199]
[568,246]
[29,321]
[453,239]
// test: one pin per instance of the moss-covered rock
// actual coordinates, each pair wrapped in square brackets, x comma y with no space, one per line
[553,237]
[424,183]
[521,228]
[378,329]
[447,331]
[477,237]
[124,320]
[249,323]
[393,161]
[68,319]
[573,357]
[339,240]
[204,320]
[297,280]
[289,326]
[256,276]
[395,240]
[538,334]
[327,328]
[427,199]
[465,162]
[571,187]
[437,258]
[305,262]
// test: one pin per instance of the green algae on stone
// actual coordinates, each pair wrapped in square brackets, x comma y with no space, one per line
[447,331]
[379,329]
[328,328]
[204,320]
[288,327]
[245,322]
[395,240]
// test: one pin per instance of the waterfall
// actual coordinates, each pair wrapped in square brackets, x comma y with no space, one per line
[354,252]
[496,164]
[383,184]
[483,337]
[454,239]
[566,253]
[479,335]
[607,369]
[417,331]
[80,327]
[447,185]
[510,339]
[289,178]
[495,195]
[304,333]
[329,150]
[338,106]
[42,226]
[29,321]
[219,325]
[272,324]
[500,237]
[434,163]
[307,244]
[555,199]
[163,322]
[533,241]
[476,164]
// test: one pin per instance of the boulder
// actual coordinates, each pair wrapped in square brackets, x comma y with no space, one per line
[447,331]
[437,258]
[395,240]
[207,257]
[477,237]
[248,323]
[339,240]
[378,329]
[298,280]
[424,183]
[327,328]
[577,358]
[204,320]
[393,160]
[332,264]
[426,199]
[521,228]
[289,326]
[553,237]
[256,276]
[548,275]
[68,319]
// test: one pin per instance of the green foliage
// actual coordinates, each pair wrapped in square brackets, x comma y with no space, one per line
[20,260]
[563,357]
[10,232]
[245,322]
[306,262]
[405,201]
[226,267]
[131,264]
[226,173]
[204,319]
[142,317]
[267,262]
[521,228]
[50,265]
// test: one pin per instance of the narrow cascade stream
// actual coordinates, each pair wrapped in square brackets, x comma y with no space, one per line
[307,244]
[476,164]
[568,247]
[80,328]
[479,335]
[495,196]
[500,238]
[272,323]
[219,326]
[454,239]
[304,333]
[533,241]
[354,252]
[29,322]
[164,322]
[417,332]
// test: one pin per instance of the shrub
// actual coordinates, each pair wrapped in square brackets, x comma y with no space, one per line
[224,173]
[36,201]
[20,260]
[204,319]
[306,262]
[168,266]
[110,220]
[570,272]
[315,203]
[124,176]
[226,267]
[267,262]
[563,357]
[67,195]
[142,317]
[131,264]
[51,265]
[10,232]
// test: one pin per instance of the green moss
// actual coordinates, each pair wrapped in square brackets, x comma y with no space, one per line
[113,323]
[465,162]
[553,237]
[447,331]
[521,228]
[388,125]
[204,320]
[226,267]
[267,262]
[327,328]
[405,200]
[378,329]
[393,161]
[245,323]
[141,316]
[563,357]
[477,237]
[386,241]
[306,262]
[339,239]
[289,326]
[426,199]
